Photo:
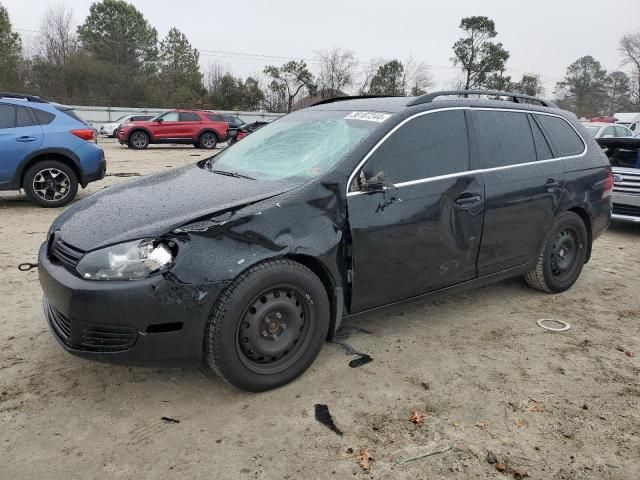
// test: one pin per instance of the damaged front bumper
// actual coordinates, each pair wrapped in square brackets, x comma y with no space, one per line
[156,321]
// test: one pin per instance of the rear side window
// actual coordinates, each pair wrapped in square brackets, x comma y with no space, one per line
[622,132]
[565,142]
[542,147]
[43,118]
[215,118]
[427,146]
[189,117]
[504,138]
[7,116]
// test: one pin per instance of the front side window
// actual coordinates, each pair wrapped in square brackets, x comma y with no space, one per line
[622,132]
[565,142]
[427,146]
[298,146]
[608,132]
[504,138]
[171,117]
[7,116]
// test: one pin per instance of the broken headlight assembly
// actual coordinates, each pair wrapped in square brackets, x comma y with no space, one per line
[128,261]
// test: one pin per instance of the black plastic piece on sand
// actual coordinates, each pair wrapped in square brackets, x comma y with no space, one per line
[360,361]
[325,418]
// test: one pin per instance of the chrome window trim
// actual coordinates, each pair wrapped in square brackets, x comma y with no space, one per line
[468,172]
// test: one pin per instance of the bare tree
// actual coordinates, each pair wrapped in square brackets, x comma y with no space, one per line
[417,78]
[58,41]
[336,71]
[630,50]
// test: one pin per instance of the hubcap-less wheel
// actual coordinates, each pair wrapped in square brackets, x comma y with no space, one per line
[51,184]
[564,252]
[208,140]
[139,140]
[273,332]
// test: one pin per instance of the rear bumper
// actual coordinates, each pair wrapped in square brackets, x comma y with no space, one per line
[149,322]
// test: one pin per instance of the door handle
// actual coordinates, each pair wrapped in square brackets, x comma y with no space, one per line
[26,139]
[551,183]
[469,200]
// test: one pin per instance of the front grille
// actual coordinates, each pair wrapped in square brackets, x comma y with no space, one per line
[90,337]
[627,181]
[66,254]
[630,210]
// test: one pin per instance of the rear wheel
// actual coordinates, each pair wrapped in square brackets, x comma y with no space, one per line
[563,255]
[139,140]
[268,326]
[50,183]
[208,140]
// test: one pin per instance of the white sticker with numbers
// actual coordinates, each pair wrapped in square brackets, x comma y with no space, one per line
[368,116]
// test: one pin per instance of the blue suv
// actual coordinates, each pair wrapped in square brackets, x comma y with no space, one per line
[46,149]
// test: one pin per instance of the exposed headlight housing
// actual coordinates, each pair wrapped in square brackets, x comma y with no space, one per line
[127,261]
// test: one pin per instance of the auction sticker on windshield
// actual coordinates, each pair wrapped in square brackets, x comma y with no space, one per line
[368,116]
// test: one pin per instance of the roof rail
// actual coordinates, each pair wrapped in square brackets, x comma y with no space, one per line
[352,97]
[29,98]
[515,97]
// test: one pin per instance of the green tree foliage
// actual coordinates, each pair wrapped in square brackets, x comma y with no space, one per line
[618,93]
[179,72]
[477,54]
[10,54]
[290,81]
[530,84]
[584,88]
[388,80]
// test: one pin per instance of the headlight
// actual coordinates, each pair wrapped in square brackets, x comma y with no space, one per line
[127,261]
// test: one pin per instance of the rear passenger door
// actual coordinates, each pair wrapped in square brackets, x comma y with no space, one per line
[523,186]
[422,233]
[20,135]
[189,124]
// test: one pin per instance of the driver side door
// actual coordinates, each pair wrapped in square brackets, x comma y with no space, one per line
[422,232]
[168,127]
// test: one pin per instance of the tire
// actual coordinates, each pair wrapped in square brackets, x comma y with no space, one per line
[563,255]
[50,184]
[268,326]
[208,140]
[138,140]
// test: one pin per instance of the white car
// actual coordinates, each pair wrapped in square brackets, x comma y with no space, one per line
[111,129]
[607,130]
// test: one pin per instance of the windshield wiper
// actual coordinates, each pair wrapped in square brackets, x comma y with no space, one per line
[230,174]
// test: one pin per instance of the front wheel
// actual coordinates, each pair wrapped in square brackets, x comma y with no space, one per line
[50,184]
[139,140]
[268,326]
[563,255]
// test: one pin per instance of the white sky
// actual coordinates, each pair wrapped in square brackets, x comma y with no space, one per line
[543,36]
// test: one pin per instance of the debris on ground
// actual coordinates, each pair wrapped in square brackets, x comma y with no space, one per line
[417,418]
[362,359]
[422,455]
[543,322]
[491,458]
[517,472]
[123,174]
[534,407]
[169,420]
[520,423]
[481,424]
[364,458]
[324,417]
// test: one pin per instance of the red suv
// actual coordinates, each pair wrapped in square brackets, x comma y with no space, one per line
[201,128]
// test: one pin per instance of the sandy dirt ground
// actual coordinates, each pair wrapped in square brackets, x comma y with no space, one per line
[487,383]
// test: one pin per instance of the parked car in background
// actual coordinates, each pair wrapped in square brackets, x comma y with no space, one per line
[247,261]
[243,131]
[201,128]
[46,149]
[607,130]
[111,129]
[630,120]
[624,155]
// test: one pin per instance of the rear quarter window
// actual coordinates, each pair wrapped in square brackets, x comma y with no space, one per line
[565,142]
[43,118]
[69,111]
[504,138]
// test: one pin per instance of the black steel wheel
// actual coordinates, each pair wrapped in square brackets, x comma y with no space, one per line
[268,326]
[208,140]
[562,256]
[50,183]
[139,140]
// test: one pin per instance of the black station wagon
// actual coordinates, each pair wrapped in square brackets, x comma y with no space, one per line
[249,260]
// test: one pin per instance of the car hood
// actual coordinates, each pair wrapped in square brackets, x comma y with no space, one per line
[156,204]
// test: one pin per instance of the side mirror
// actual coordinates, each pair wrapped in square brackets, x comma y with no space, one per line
[159,120]
[376,183]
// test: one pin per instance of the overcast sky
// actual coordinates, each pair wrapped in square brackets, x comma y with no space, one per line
[543,36]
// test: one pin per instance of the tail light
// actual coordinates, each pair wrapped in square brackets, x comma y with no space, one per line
[608,185]
[88,134]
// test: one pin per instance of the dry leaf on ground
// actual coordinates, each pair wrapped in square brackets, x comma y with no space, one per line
[416,418]
[364,458]
[481,424]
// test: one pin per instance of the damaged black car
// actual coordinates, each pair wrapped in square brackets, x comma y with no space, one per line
[248,261]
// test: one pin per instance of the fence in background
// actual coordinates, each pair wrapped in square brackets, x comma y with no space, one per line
[97,115]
